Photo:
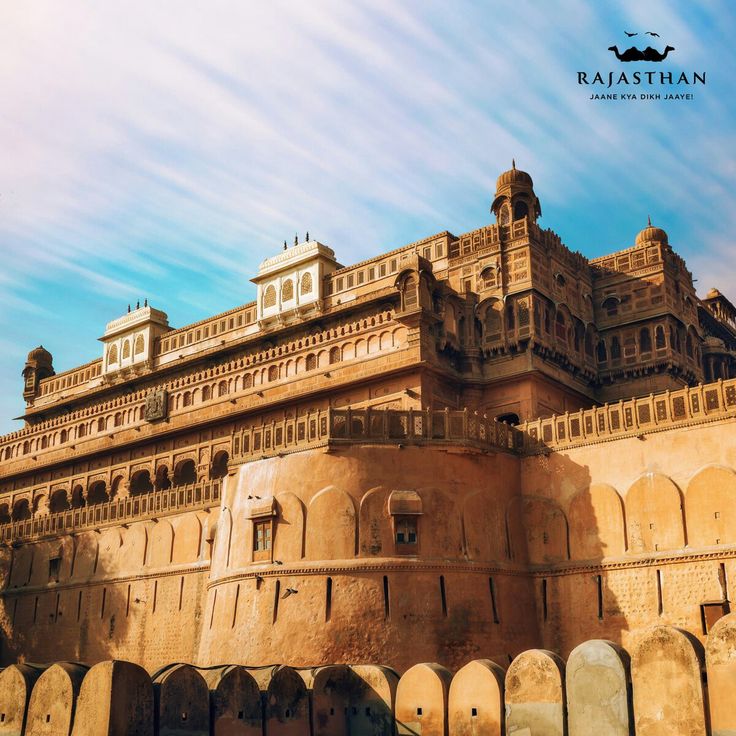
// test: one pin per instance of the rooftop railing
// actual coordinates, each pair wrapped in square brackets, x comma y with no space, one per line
[631,417]
[373,426]
[118,510]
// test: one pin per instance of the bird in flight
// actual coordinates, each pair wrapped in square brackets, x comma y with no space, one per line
[651,33]
[630,34]
[288,592]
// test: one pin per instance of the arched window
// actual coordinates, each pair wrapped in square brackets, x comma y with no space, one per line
[97,493]
[493,324]
[287,290]
[139,345]
[615,348]
[222,388]
[206,393]
[560,328]
[185,473]
[510,317]
[247,380]
[273,373]
[81,431]
[63,436]
[44,442]
[4,513]
[58,501]
[112,355]
[659,340]
[187,398]
[645,340]
[218,469]
[602,353]
[610,304]
[521,209]
[126,349]
[269,296]
[488,277]
[101,424]
[140,482]
[21,510]
[334,355]
[306,284]
[511,418]
[504,216]
[410,292]
[118,419]
[311,361]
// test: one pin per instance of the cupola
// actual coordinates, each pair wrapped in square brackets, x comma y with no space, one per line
[515,198]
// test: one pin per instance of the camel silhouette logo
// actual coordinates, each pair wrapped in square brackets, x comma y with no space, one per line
[635,54]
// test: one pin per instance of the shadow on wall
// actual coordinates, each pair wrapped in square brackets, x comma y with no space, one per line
[597,524]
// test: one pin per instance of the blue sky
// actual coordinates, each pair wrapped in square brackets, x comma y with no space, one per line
[163,149]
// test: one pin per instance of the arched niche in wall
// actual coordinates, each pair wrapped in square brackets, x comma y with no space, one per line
[596,518]
[288,539]
[331,526]
[654,514]
[710,507]
[375,536]
[545,526]
[162,543]
[187,539]
[132,553]
[85,554]
[109,544]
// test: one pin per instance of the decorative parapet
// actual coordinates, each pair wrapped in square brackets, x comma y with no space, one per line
[631,417]
[335,427]
[119,510]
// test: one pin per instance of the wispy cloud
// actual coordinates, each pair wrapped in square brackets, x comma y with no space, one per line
[163,149]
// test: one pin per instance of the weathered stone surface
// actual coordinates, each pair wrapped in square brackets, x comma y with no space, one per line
[598,690]
[182,701]
[16,685]
[476,700]
[666,678]
[535,694]
[116,699]
[372,711]
[54,698]
[235,702]
[720,659]
[421,700]
[287,700]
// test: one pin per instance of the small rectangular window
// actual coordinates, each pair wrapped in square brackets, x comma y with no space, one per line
[382,269]
[262,532]
[54,569]
[406,530]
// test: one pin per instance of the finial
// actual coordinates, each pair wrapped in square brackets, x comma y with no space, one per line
[138,304]
[307,236]
[649,221]
[285,246]
[296,239]
[145,302]
[128,308]
[513,163]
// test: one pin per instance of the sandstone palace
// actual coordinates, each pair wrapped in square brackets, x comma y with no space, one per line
[482,449]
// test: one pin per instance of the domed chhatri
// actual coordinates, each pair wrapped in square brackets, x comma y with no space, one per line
[514,176]
[39,355]
[651,234]
[515,198]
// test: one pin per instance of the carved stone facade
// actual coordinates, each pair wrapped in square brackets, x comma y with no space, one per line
[313,476]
